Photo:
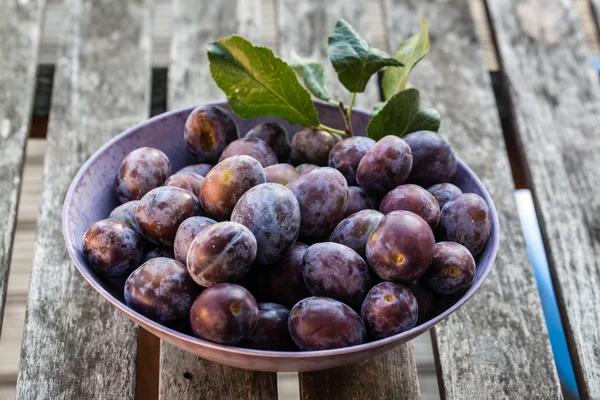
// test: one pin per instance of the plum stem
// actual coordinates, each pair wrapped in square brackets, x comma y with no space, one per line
[330,130]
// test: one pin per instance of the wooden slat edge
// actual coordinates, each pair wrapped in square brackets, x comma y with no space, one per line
[195,23]
[485,350]
[555,103]
[20,27]
[76,345]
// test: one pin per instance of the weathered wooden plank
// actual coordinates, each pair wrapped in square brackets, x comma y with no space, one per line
[76,345]
[195,23]
[496,346]
[305,27]
[556,109]
[20,26]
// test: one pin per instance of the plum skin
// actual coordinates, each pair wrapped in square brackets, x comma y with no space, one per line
[112,248]
[389,308]
[358,200]
[161,211]
[282,282]
[323,197]
[415,199]
[385,166]
[302,168]
[320,323]
[186,180]
[252,147]
[141,171]
[346,155]
[444,192]
[208,130]
[466,220]
[336,271]
[162,290]
[158,252]
[220,253]
[452,269]
[281,173]
[186,233]
[425,300]
[354,231]
[400,248]
[312,146]
[227,182]
[225,313]
[126,214]
[275,136]
[271,332]
[272,213]
[433,158]
[198,169]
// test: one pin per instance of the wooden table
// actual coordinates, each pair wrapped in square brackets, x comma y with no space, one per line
[76,346]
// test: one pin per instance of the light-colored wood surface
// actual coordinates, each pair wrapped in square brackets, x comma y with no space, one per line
[555,101]
[101,86]
[484,350]
[20,28]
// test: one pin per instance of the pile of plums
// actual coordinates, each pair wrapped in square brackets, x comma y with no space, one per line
[318,243]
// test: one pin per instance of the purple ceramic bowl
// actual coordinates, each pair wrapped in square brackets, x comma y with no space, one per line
[91,198]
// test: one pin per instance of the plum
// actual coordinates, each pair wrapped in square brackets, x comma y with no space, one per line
[271,332]
[186,180]
[160,212]
[112,248]
[272,214]
[320,323]
[281,173]
[126,213]
[425,300]
[162,290]
[358,200]
[158,252]
[208,130]
[415,199]
[198,169]
[323,197]
[141,171]
[186,233]
[346,155]
[400,248]
[433,158]
[282,282]
[385,166]
[302,168]
[275,136]
[312,145]
[225,313]
[444,192]
[336,271]
[354,231]
[222,252]
[389,308]
[452,269]
[466,220]
[227,182]
[252,147]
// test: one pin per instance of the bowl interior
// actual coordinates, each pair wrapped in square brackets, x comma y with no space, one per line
[91,198]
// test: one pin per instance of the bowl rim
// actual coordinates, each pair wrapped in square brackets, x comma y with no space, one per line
[240,351]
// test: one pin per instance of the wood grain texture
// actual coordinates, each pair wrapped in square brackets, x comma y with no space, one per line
[496,346]
[20,27]
[76,345]
[196,23]
[389,376]
[305,27]
[556,109]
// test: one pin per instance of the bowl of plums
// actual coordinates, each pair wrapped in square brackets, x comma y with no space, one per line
[283,239]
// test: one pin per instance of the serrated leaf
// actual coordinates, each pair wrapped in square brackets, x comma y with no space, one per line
[353,59]
[257,83]
[312,74]
[403,114]
[409,53]
[377,107]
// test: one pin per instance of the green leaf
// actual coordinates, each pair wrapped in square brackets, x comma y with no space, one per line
[377,107]
[257,83]
[403,114]
[410,52]
[312,73]
[353,59]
